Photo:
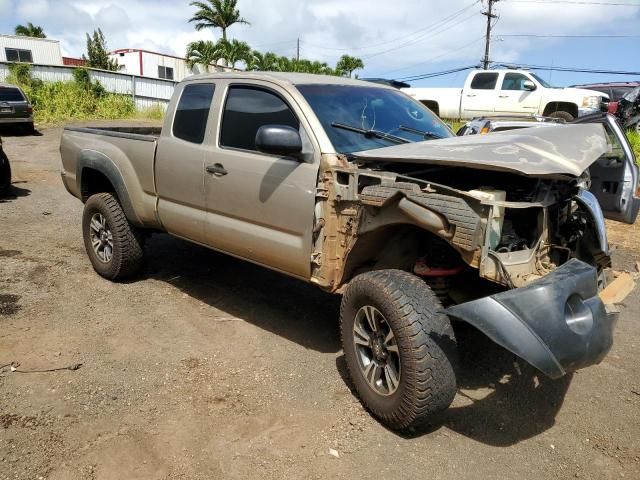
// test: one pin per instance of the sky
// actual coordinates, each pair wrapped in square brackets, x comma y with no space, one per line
[395,39]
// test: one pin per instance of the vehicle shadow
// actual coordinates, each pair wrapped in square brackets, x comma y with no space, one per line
[505,400]
[274,302]
[18,131]
[499,403]
[501,399]
[14,192]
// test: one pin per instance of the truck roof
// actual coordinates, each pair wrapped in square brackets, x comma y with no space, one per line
[286,77]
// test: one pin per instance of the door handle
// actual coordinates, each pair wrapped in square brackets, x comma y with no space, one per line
[471,94]
[503,96]
[217,169]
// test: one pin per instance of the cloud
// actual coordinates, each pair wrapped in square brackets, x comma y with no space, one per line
[401,36]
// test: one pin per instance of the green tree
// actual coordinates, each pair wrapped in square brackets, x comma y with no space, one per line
[234,51]
[30,30]
[202,52]
[217,14]
[347,65]
[97,52]
[265,62]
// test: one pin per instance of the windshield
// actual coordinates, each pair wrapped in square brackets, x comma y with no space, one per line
[542,82]
[363,118]
[10,94]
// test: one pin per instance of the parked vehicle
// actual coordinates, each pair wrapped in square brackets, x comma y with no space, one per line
[508,92]
[15,108]
[330,180]
[5,172]
[627,110]
[614,90]
[484,125]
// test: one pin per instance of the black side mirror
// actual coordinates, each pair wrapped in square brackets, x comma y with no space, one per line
[279,140]
[529,86]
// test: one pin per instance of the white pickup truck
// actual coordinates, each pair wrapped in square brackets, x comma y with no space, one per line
[508,92]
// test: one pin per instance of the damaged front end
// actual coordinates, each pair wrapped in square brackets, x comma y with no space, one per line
[506,231]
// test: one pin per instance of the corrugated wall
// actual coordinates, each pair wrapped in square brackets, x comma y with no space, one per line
[147,91]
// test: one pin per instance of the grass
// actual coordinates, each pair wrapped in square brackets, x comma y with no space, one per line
[80,99]
[634,140]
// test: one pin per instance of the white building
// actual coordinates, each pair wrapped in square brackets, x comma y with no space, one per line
[144,63]
[43,51]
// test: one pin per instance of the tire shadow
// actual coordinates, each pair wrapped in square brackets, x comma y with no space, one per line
[506,400]
[290,308]
[14,193]
[18,131]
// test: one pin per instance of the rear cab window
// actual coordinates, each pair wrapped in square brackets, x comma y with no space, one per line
[248,108]
[11,94]
[192,112]
[484,81]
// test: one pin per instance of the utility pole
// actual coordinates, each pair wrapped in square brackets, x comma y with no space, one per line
[487,42]
[298,51]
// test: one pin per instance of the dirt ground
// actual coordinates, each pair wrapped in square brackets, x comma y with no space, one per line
[208,367]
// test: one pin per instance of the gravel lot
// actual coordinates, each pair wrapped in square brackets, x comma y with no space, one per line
[208,367]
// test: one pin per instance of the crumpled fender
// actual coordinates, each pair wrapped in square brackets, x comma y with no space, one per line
[558,324]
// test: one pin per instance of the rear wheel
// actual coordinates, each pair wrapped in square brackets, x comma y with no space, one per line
[113,245]
[566,116]
[399,348]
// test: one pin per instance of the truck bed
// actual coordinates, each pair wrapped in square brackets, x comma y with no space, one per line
[147,133]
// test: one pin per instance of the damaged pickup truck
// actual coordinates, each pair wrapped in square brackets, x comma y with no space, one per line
[362,191]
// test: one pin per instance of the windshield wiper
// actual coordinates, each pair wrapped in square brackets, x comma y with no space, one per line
[420,132]
[370,133]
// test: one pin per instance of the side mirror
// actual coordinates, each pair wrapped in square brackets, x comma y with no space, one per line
[529,86]
[279,140]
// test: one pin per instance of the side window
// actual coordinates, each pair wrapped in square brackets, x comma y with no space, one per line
[514,81]
[246,110]
[619,92]
[484,81]
[190,120]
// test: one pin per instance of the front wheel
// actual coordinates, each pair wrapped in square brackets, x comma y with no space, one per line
[566,116]
[113,245]
[399,347]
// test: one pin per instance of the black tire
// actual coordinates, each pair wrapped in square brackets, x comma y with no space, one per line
[5,174]
[566,116]
[29,128]
[425,341]
[127,251]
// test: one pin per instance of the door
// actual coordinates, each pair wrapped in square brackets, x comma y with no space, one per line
[514,98]
[179,166]
[260,206]
[614,177]
[479,95]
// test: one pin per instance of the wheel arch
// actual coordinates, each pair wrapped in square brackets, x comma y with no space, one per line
[98,174]
[432,105]
[568,107]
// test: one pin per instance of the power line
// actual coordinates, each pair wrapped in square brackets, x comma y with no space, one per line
[535,35]
[566,69]
[436,31]
[438,74]
[432,59]
[577,2]
[402,37]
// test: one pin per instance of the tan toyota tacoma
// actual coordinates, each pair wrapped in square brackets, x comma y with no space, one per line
[361,190]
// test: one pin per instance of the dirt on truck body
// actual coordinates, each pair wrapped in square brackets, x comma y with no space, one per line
[362,191]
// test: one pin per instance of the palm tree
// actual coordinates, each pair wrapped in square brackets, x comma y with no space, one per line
[217,14]
[234,51]
[202,52]
[347,64]
[30,30]
[265,62]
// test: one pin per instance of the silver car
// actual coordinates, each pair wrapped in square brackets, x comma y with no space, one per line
[15,108]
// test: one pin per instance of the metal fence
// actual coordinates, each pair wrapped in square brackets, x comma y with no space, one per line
[145,92]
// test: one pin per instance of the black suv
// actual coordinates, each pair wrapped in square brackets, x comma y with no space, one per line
[15,108]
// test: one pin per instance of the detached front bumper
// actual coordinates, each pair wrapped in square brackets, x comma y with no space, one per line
[558,324]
